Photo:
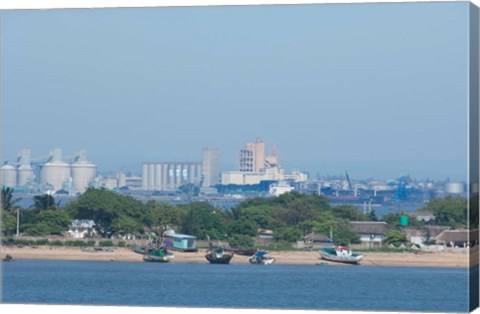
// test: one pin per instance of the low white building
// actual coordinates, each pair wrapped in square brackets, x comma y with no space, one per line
[267,174]
[371,233]
[81,228]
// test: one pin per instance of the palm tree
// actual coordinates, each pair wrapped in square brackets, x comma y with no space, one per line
[8,202]
[44,202]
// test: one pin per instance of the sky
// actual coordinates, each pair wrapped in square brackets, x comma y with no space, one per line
[379,90]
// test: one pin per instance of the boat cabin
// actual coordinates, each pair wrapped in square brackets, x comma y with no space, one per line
[181,242]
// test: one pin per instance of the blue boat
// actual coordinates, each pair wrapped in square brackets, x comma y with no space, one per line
[260,258]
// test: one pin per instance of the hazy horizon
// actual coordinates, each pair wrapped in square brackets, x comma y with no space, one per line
[378,90]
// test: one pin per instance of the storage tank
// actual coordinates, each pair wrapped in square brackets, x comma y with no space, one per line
[55,172]
[24,171]
[454,187]
[25,174]
[403,221]
[83,172]
[8,175]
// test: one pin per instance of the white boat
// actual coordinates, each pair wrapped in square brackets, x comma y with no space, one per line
[340,254]
[260,258]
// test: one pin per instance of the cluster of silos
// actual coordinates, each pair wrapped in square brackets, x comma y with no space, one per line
[12,176]
[169,175]
[75,177]
[55,174]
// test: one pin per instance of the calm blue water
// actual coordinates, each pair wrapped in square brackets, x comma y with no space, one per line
[248,286]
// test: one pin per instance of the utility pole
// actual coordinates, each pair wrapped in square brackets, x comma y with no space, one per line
[18,221]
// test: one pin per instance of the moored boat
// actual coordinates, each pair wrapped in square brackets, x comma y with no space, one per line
[260,258]
[217,255]
[157,253]
[340,254]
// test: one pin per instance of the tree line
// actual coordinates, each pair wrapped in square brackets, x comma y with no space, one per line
[290,216]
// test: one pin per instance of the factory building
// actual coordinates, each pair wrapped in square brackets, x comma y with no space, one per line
[266,174]
[160,176]
[210,168]
[251,157]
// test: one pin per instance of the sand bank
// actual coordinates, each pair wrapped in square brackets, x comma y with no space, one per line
[424,259]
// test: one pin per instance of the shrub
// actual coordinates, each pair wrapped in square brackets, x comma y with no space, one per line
[91,243]
[106,243]
[56,243]
[41,242]
[122,244]
[241,241]
[77,243]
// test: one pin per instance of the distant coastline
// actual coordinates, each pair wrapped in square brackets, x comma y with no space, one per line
[458,259]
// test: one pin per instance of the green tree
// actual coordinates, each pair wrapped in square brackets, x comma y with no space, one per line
[202,219]
[449,211]
[105,208]
[243,226]
[125,225]
[44,202]
[289,234]
[241,241]
[8,223]
[8,202]
[348,212]
[163,215]
[395,237]
[50,222]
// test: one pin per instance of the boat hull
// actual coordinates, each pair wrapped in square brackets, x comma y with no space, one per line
[263,261]
[158,259]
[225,259]
[354,259]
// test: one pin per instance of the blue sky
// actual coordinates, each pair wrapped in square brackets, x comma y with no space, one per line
[375,89]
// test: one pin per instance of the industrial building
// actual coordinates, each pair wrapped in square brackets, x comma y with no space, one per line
[50,172]
[160,176]
[255,166]
[210,168]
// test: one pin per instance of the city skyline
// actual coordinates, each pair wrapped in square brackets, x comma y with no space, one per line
[332,94]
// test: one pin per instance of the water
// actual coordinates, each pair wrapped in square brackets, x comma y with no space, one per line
[236,286]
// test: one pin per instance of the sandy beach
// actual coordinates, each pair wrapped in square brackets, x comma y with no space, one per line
[457,259]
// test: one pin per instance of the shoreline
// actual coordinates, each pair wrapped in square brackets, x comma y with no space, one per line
[424,259]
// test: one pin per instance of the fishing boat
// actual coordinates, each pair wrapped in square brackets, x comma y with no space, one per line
[260,258]
[217,255]
[340,254]
[157,253]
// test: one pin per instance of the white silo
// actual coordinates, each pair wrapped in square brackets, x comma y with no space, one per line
[25,175]
[55,172]
[24,171]
[83,172]
[454,187]
[121,180]
[8,175]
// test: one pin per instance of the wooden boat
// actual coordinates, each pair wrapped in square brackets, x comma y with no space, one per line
[340,254]
[217,255]
[259,258]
